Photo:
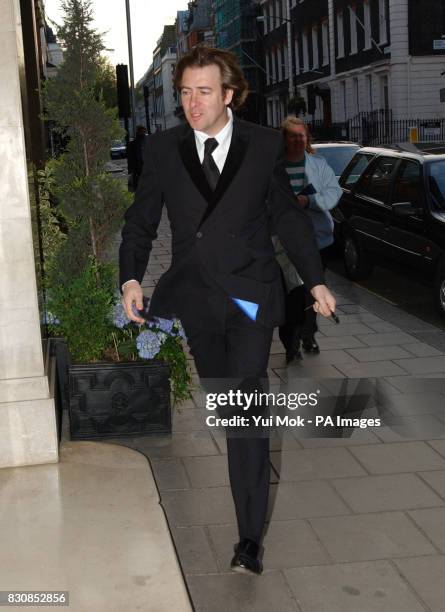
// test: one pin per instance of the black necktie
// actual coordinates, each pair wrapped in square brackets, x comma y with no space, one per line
[208,163]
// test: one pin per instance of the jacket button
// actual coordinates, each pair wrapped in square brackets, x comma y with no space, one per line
[199,235]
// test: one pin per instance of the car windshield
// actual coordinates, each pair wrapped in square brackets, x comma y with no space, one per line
[337,157]
[436,182]
[117,143]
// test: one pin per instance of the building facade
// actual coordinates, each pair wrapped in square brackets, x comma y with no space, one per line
[165,96]
[238,30]
[368,58]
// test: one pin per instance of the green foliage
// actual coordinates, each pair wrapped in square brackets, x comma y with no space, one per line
[172,353]
[83,305]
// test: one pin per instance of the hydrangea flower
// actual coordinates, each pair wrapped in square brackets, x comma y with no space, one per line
[164,325]
[148,343]
[120,318]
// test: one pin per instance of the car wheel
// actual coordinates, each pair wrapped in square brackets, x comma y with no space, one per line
[357,264]
[439,290]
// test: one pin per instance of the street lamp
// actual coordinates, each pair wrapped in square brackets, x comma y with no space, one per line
[130,61]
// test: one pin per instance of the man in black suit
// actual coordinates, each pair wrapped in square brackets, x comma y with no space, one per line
[226,191]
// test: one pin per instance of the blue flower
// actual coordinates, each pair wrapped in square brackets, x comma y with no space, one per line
[148,343]
[164,325]
[120,318]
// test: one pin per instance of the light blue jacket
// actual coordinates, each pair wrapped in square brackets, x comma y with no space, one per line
[320,174]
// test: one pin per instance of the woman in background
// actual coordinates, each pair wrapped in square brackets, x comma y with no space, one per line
[317,190]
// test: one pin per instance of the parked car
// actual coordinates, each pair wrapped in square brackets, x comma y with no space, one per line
[337,154]
[393,210]
[118,150]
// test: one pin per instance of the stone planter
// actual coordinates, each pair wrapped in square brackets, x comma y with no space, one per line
[109,400]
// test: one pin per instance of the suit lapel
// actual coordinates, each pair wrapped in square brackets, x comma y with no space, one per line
[190,159]
[235,156]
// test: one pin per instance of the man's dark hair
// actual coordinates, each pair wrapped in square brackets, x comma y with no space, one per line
[231,74]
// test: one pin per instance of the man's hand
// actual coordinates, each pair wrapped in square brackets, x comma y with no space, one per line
[133,294]
[303,201]
[324,300]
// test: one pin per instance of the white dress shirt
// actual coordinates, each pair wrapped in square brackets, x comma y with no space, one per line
[224,138]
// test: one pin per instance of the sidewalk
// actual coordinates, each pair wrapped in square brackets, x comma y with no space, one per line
[355,523]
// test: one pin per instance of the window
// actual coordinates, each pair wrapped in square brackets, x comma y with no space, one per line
[265,17]
[297,56]
[377,179]
[267,70]
[277,14]
[367,23]
[315,46]
[436,182]
[284,9]
[272,61]
[382,22]
[356,93]
[353,27]
[369,90]
[305,51]
[279,65]
[343,99]
[340,36]
[271,16]
[325,39]
[408,186]
[355,169]
[286,61]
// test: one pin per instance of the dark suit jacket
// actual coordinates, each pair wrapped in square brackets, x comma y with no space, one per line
[221,241]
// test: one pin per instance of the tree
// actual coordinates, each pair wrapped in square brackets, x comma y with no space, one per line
[74,100]
[92,202]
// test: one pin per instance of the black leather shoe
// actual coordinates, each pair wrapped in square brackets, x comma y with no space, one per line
[310,345]
[245,560]
[294,353]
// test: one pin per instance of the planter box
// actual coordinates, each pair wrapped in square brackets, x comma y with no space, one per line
[108,400]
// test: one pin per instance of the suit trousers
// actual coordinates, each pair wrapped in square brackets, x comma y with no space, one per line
[239,357]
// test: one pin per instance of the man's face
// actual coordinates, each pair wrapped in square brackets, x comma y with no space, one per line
[296,139]
[203,99]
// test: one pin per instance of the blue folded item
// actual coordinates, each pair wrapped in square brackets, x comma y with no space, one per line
[249,308]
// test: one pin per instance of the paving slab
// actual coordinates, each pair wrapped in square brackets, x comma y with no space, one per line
[388,492]
[199,506]
[194,550]
[425,575]
[241,593]
[349,587]
[371,369]
[422,365]
[294,500]
[414,427]
[388,338]
[432,523]
[180,444]
[379,353]
[169,474]
[366,537]
[398,457]
[315,463]
[286,544]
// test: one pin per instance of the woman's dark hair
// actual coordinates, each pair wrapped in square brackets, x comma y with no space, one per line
[231,74]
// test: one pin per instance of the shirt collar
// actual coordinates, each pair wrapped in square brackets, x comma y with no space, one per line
[222,134]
